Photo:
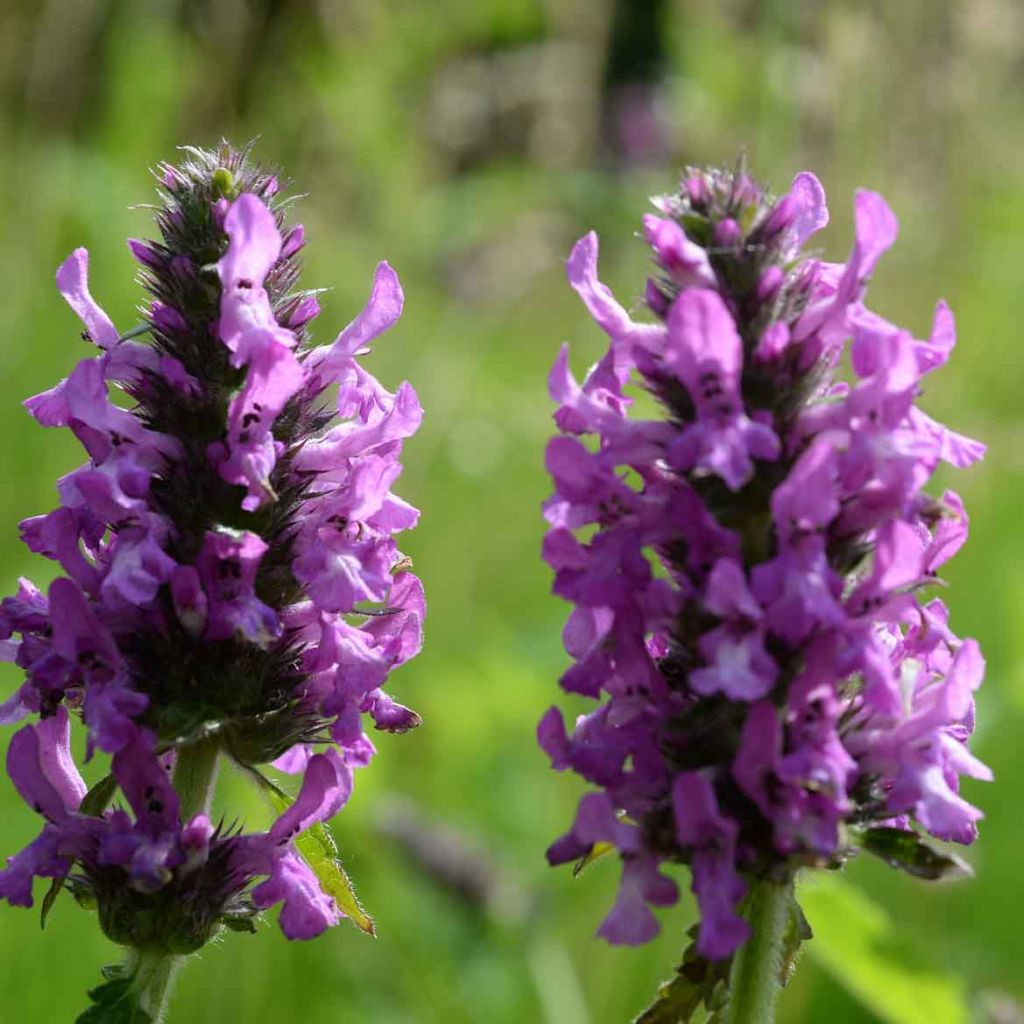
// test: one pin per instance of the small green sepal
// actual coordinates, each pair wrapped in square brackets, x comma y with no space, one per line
[49,899]
[596,852]
[95,802]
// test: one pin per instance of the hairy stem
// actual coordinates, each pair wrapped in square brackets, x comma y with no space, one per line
[154,974]
[755,977]
[195,777]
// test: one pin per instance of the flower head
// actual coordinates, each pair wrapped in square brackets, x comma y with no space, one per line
[230,575]
[774,690]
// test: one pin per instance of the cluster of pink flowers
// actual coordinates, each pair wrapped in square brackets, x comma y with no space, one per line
[230,570]
[747,571]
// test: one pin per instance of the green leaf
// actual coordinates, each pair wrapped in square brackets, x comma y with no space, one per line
[677,1001]
[911,853]
[114,1002]
[856,942]
[596,852]
[696,982]
[95,802]
[320,852]
[317,848]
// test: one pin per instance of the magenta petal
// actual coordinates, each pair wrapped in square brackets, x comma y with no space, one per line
[25,769]
[703,339]
[73,284]
[228,564]
[581,268]
[55,758]
[551,738]
[307,910]
[326,786]
[685,260]
[255,243]
[381,312]
[147,786]
[876,229]
[813,209]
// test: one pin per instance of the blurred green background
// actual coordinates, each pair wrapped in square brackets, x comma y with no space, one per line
[470,142]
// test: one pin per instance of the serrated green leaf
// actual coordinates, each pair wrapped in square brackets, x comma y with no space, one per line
[317,848]
[597,851]
[856,942]
[319,851]
[114,1002]
[910,852]
[95,802]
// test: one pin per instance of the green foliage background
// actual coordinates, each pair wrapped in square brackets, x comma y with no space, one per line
[469,143]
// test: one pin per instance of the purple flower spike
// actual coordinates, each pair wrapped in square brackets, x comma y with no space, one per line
[746,573]
[229,581]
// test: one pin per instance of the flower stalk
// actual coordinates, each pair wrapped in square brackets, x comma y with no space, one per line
[755,977]
[195,781]
[153,974]
[195,776]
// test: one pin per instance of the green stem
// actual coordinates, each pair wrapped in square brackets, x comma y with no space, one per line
[153,974]
[195,777]
[755,976]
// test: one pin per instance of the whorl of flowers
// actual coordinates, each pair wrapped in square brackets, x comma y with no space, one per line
[747,571]
[230,574]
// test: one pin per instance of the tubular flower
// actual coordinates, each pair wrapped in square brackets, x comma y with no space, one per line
[748,571]
[229,575]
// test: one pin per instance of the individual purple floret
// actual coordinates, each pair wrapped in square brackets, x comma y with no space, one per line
[231,581]
[748,572]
